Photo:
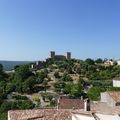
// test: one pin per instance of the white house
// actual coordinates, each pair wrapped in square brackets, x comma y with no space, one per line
[109,62]
[111,98]
[82,116]
[116,82]
[107,117]
[118,62]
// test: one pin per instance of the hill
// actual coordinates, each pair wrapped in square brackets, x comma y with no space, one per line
[9,65]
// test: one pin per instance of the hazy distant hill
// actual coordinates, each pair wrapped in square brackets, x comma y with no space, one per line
[9,65]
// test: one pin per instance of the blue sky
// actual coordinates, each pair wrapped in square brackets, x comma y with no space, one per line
[29,29]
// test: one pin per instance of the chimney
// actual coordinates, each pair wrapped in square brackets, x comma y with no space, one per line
[81,98]
[85,105]
[58,102]
[37,63]
[32,66]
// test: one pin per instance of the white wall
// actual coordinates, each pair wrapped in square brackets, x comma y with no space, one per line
[9,116]
[82,117]
[107,117]
[105,97]
[116,83]
[118,62]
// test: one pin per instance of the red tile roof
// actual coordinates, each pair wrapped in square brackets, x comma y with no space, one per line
[116,79]
[40,114]
[67,103]
[101,107]
[115,96]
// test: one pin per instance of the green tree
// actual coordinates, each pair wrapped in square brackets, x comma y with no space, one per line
[45,82]
[22,72]
[1,68]
[59,86]
[76,90]
[94,93]
[56,74]
[89,61]
[67,88]
[99,60]
[66,77]
[28,85]
[42,75]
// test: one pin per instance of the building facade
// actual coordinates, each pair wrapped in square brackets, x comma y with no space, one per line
[60,57]
[116,82]
[111,98]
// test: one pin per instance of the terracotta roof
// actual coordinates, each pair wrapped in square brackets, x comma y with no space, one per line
[40,114]
[116,79]
[67,103]
[104,108]
[115,96]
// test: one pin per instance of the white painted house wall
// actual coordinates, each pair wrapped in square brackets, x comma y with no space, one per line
[116,83]
[118,62]
[108,117]
[105,97]
[82,117]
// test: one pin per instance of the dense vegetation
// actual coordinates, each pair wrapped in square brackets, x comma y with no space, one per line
[74,78]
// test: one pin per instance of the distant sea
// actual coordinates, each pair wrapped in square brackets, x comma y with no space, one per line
[9,65]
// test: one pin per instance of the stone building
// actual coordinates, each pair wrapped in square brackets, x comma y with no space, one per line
[60,57]
[38,65]
[52,56]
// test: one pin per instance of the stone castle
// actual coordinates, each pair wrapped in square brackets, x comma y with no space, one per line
[60,57]
[52,56]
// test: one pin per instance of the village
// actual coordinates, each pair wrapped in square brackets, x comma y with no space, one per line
[65,107]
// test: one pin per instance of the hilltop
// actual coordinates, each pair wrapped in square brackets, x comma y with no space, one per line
[40,84]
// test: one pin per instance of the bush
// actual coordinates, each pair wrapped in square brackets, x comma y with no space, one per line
[94,93]
[19,97]
[74,90]
[24,104]
[59,86]
[102,83]
[19,104]
[56,74]
[3,116]
[113,88]
[66,77]
[36,98]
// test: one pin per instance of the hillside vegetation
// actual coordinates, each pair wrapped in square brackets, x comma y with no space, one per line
[27,89]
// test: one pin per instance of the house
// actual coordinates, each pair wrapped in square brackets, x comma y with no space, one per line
[59,114]
[118,62]
[39,114]
[116,82]
[107,117]
[82,116]
[49,114]
[65,102]
[109,62]
[111,98]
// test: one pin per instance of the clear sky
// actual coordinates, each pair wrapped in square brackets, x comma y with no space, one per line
[29,29]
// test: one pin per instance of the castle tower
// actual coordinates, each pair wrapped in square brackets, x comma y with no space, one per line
[52,54]
[68,55]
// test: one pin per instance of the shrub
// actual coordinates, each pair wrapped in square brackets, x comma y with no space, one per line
[36,98]
[19,97]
